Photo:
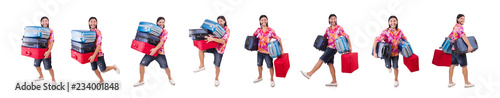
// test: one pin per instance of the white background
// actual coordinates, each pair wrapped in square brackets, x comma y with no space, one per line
[297,22]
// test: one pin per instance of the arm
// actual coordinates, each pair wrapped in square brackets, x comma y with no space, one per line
[466,40]
[96,51]
[154,50]
[47,53]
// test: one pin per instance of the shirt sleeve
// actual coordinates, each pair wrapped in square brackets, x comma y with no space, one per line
[273,35]
[256,32]
[403,37]
[342,33]
[51,39]
[381,37]
[99,38]
[164,35]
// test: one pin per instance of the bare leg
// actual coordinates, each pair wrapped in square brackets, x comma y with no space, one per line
[51,71]
[167,70]
[260,72]
[217,71]
[98,74]
[201,55]
[450,76]
[271,70]
[466,76]
[315,68]
[332,71]
[396,71]
[39,71]
[141,73]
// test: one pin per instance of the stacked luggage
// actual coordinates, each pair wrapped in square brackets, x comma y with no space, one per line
[409,58]
[35,41]
[199,40]
[83,45]
[209,27]
[147,38]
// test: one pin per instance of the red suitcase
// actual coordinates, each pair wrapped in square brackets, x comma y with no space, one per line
[349,62]
[36,53]
[82,57]
[411,63]
[203,45]
[143,47]
[281,65]
[441,59]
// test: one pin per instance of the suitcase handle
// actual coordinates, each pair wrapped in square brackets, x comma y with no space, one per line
[134,45]
[74,56]
[27,53]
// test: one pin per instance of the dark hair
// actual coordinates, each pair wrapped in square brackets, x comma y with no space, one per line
[160,18]
[264,16]
[394,18]
[95,21]
[44,17]
[223,18]
[460,16]
[332,15]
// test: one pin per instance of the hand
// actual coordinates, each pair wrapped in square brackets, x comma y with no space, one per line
[209,38]
[92,58]
[469,49]
[375,54]
[350,49]
[153,51]
[46,55]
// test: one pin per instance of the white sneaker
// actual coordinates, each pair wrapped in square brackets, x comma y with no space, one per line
[331,84]
[139,84]
[451,84]
[390,70]
[199,69]
[272,84]
[216,83]
[305,74]
[172,82]
[257,80]
[53,83]
[117,70]
[469,85]
[396,83]
[39,79]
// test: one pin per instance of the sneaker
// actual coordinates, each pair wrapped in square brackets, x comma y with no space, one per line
[272,84]
[451,84]
[216,83]
[199,69]
[139,84]
[305,74]
[257,80]
[172,81]
[396,83]
[117,70]
[39,79]
[469,85]
[331,84]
